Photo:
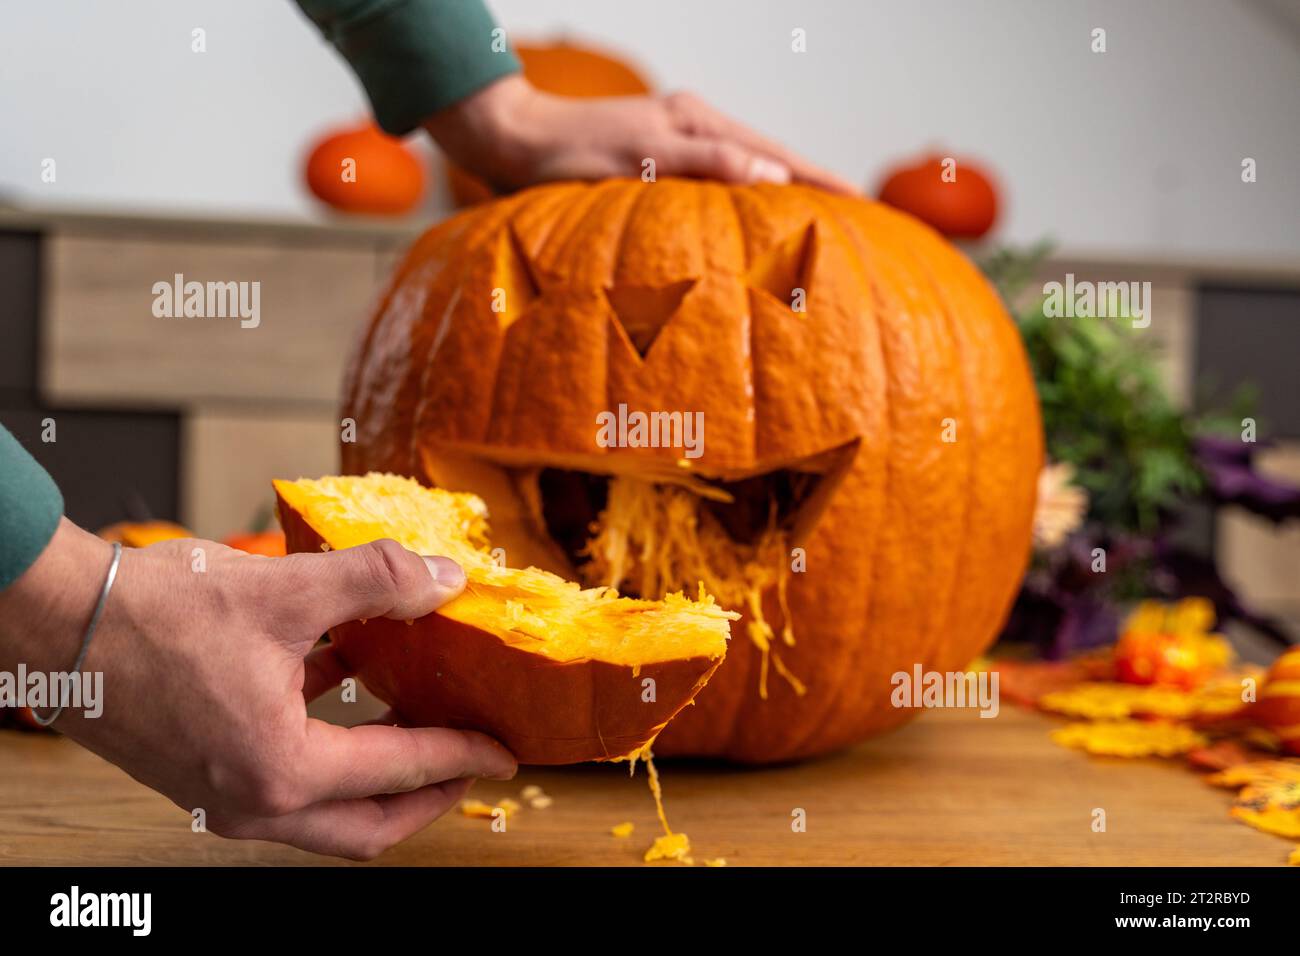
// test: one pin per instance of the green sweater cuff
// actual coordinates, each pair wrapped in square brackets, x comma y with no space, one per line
[30,509]
[414,57]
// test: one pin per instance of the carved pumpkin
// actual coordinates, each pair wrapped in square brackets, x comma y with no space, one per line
[865,488]
[565,69]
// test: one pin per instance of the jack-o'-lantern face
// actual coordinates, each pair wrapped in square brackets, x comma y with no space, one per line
[813,396]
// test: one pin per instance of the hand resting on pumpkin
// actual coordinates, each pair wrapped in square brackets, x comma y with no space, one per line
[514,135]
[207,675]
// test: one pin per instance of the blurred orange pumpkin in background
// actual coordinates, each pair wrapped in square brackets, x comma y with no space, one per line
[1171,645]
[364,170]
[956,197]
[1278,707]
[565,69]
[267,543]
[141,534]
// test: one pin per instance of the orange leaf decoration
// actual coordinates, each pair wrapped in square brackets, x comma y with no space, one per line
[1130,738]
[1273,807]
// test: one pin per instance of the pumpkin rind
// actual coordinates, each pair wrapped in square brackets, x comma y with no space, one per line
[445,670]
[924,541]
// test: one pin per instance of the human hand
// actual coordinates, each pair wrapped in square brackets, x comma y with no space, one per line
[207,675]
[514,135]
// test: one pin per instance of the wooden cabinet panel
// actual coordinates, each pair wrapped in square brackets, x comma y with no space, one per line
[1258,558]
[229,457]
[103,343]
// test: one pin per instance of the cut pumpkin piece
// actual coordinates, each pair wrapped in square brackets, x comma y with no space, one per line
[556,672]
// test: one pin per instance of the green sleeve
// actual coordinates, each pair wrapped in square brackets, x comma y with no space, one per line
[414,57]
[30,509]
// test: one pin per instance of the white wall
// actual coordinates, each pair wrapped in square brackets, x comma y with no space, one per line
[1137,149]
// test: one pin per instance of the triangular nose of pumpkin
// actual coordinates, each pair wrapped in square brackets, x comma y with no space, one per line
[643,311]
[787,266]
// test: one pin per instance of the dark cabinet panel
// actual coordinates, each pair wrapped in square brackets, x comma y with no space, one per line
[110,466]
[19,281]
[1251,337]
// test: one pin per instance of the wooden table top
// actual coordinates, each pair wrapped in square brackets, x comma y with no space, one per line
[949,789]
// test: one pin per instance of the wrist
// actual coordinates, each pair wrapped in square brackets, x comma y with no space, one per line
[492,133]
[43,615]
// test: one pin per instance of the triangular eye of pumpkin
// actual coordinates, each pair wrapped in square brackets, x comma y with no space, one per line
[787,266]
[515,285]
[643,311]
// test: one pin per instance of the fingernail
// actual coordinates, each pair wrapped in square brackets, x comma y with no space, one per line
[763,170]
[446,572]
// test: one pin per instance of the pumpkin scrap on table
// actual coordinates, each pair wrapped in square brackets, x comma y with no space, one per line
[555,672]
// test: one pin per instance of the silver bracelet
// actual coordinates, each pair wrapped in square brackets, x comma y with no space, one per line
[90,630]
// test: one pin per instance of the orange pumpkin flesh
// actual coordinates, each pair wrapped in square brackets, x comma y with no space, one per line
[556,673]
[677,295]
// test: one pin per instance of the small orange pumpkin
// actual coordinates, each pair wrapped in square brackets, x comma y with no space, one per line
[364,170]
[269,544]
[141,534]
[1278,707]
[957,198]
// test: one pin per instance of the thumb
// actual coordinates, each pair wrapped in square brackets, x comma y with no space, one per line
[379,579]
[720,159]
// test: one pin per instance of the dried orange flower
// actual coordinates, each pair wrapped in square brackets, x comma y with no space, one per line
[622,829]
[1060,507]
[1130,738]
[1273,807]
[1109,701]
[1256,773]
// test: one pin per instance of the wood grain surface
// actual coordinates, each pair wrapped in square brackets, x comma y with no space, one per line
[949,789]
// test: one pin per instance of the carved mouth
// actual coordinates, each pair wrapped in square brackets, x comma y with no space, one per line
[780,502]
[648,528]
[562,502]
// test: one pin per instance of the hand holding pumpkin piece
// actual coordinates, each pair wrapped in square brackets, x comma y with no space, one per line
[514,135]
[207,670]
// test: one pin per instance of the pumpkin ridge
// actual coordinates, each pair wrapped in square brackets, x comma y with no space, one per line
[973,437]
[830,697]
[507,221]
[482,224]
[862,261]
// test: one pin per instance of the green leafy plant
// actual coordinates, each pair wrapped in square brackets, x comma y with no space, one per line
[1105,410]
